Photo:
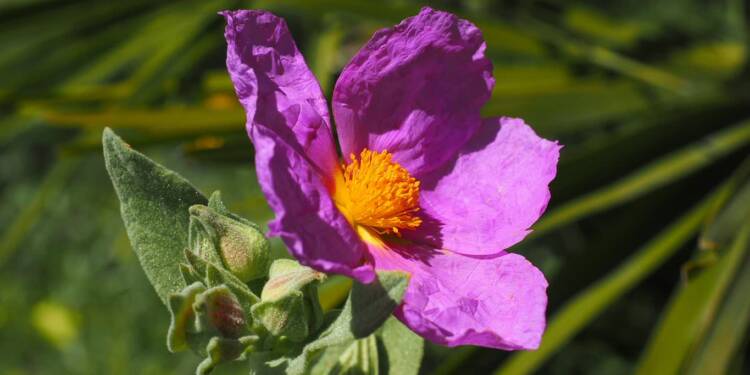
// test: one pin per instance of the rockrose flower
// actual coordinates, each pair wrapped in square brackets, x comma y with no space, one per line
[425,185]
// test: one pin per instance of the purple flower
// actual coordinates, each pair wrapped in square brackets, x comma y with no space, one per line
[426,185]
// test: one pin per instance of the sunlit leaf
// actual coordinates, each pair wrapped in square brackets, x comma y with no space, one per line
[154,203]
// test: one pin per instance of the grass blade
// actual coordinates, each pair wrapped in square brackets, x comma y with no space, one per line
[651,177]
[689,318]
[723,342]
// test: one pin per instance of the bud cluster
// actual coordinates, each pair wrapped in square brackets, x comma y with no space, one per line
[218,315]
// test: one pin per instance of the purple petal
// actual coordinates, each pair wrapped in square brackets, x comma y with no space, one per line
[276,87]
[453,299]
[486,198]
[415,90]
[307,220]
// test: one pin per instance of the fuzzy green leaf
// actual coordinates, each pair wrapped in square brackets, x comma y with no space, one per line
[403,349]
[154,204]
[368,306]
[361,357]
[397,349]
[372,304]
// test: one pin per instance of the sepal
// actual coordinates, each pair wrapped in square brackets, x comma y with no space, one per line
[221,350]
[182,323]
[213,275]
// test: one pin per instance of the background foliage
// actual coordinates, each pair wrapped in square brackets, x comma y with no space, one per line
[645,243]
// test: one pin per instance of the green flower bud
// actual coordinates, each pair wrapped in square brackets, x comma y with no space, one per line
[211,322]
[289,305]
[221,238]
[219,311]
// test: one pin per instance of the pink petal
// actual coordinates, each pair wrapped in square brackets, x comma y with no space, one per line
[453,299]
[307,220]
[487,197]
[415,90]
[276,87]
[287,120]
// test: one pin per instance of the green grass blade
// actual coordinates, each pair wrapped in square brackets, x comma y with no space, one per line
[164,121]
[608,59]
[666,170]
[723,342]
[186,27]
[691,312]
[581,310]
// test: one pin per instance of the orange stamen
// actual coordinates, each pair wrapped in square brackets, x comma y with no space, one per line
[378,193]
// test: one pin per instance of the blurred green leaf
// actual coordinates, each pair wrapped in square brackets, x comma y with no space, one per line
[56,323]
[603,57]
[729,330]
[23,36]
[52,185]
[564,108]
[154,203]
[728,219]
[668,169]
[165,121]
[324,55]
[590,22]
[693,308]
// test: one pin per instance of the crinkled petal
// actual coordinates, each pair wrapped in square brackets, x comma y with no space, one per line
[486,198]
[276,87]
[307,220]
[453,299]
[415,90]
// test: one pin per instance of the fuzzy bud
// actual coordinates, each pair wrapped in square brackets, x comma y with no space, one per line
[289,304]
[240,247]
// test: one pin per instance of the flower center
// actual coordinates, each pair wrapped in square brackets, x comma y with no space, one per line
[378,193]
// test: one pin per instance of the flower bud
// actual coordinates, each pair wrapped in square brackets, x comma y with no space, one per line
[240,247]
[289,304]
[211,322]
[219,310]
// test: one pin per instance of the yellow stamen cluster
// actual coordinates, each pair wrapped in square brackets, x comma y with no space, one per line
[378,193]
